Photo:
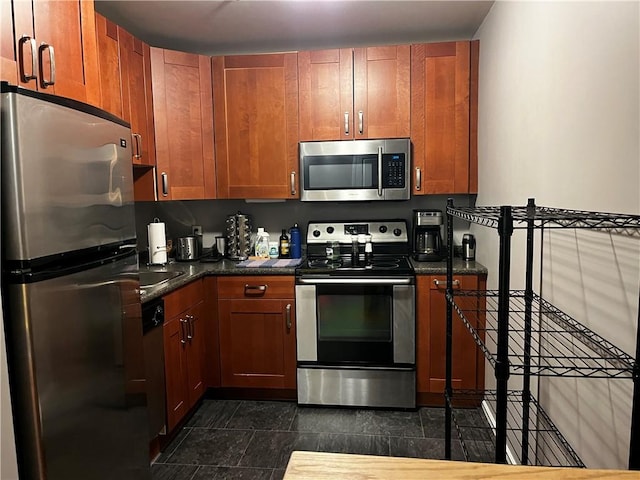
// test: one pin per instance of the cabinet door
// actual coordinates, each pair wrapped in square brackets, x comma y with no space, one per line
[441,118]
[257,343]
[181,84]
[256,125]
[69,30]
[467,359]
[326,94]
[175,370]
[195,353]
[465,371]
[135,58]
[109,65]
[381,91]
[8,42]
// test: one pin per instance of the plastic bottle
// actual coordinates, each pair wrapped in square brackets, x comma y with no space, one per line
[283,249]
[295,245]
[262,243]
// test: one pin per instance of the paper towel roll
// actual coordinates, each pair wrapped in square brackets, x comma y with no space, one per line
[157,243]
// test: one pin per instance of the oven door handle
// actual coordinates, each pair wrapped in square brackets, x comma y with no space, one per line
[355,281]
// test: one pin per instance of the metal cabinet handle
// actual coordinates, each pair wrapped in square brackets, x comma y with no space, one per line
[182,334]
[34,58]
[437,283]
[155,185]
[287,316]
[418,178]
[379,171]
[360,122]
[52,65]
[255,289]
[165,184]
[293,183]
[346,123]
[189,320]
[138,142]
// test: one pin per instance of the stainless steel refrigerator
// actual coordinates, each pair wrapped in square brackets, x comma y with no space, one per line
[70,290]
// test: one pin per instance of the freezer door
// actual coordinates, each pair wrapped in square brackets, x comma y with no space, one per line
[67,180]
[77,371]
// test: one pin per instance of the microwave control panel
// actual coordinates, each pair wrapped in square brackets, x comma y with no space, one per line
[393,170]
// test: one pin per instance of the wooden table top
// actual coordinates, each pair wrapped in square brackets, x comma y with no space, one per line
[340,466]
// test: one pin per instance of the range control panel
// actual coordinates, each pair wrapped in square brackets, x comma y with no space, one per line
[381,231]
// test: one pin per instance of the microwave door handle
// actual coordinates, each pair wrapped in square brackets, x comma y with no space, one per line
[379,171]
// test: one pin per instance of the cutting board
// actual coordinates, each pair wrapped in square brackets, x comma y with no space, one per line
[270,263]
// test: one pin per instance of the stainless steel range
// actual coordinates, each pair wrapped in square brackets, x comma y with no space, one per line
[355,316]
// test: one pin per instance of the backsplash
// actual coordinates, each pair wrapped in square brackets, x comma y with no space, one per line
[179,216]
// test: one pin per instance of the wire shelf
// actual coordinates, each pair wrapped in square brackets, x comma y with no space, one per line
[560,346]
[551,218]
[545,445]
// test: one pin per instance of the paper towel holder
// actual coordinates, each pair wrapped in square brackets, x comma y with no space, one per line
[157,242]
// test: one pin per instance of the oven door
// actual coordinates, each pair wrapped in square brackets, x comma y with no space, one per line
[366,322]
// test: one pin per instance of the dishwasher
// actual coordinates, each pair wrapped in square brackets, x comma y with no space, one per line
[153,346]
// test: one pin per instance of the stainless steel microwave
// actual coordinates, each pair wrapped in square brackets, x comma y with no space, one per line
[355,170]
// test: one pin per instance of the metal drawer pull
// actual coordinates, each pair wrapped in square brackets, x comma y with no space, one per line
[138,141]
[165,184]
[52,65]
[287,316]
[346,123]
[437,283]
[255,289]
[189,321]
[182,335]
[34,58]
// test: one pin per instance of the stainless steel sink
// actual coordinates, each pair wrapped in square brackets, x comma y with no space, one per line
[152,279]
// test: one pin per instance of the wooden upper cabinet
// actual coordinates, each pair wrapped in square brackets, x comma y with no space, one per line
[135,62]
[355,93]
[109,65]
[181,85]
[444,82]
[8,43]
[256,125]
[62,31]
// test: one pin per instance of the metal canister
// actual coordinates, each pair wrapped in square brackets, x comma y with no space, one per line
[468,247]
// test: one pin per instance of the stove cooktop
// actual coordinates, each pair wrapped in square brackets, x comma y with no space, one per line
[380,264]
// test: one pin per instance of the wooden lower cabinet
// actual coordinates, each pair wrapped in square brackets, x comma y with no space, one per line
[256,317]
[467,359]
[184,347]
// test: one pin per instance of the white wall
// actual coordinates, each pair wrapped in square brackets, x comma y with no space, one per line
[559,121]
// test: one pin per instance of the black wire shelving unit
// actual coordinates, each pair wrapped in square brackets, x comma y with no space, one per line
[521,333]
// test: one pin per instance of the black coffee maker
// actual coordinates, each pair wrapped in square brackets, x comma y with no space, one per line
[427,239]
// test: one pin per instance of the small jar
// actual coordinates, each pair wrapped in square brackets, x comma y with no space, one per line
[273,249]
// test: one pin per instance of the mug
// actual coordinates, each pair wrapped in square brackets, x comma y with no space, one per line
[221,245]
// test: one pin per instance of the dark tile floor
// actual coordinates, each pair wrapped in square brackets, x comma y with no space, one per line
[233,439]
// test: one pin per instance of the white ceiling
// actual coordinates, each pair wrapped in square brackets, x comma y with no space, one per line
[215,27]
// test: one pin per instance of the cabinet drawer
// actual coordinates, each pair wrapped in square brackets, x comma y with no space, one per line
[465,282]
[268,286]
[179,300]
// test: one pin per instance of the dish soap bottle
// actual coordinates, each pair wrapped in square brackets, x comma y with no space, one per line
[283,251]
[262,243]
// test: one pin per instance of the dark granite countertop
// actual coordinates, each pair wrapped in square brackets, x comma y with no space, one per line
[460,267]
[194,270]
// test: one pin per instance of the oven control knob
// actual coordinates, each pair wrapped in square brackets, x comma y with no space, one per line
[397,232]
[330,230]
[383,229]
[316,233]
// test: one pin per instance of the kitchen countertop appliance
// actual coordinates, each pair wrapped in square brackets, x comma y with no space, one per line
[427,236]
[355,170]
[355,316]
[70,290]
